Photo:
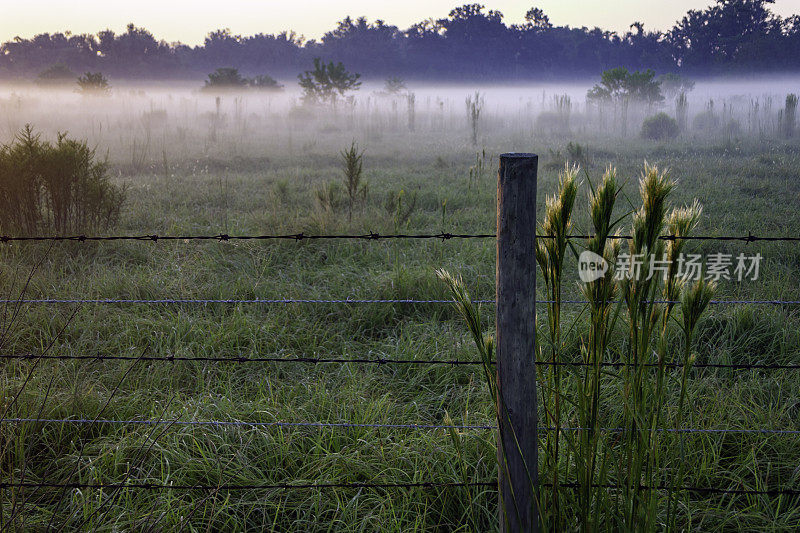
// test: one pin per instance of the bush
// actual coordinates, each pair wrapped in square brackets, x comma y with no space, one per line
[94,84]
[54,187]
[706,121]
[265,82]
[56,75]
[660,127]
[225,78]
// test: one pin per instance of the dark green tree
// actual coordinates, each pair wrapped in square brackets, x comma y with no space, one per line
[55,75]
[395,85]
[94,84]
[327,82]
[617,84]
[225,78]
[265,82]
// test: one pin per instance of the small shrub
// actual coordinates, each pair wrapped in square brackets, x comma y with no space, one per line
[731,128]
[54,187]
[94,84]
[265,82]
[56,75]
[660,127]
[577,154]
[706,121]
[394,85]
[225,78]
[400,206]
[352,161]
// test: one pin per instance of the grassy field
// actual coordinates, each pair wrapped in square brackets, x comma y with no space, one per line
[254,180]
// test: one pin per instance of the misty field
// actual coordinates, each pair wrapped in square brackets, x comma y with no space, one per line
[195,164]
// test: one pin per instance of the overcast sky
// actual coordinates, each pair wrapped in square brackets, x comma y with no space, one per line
[190,20]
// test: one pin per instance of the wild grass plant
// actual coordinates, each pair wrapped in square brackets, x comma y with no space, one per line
[352,160]
[59,187]
[584,459]
[475,104]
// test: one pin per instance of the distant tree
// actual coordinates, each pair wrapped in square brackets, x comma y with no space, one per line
[94,84]
[535,18]
[611,86]
[225,78]
[395,85]
[729,32]
[673,84]
[327,81]
[265,82]
[55,75]
[643,87]
[617,84]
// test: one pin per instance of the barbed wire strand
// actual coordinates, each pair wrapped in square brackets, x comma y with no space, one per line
[371,236]
[206,301]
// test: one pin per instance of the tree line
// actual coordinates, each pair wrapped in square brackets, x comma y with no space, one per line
[471,43]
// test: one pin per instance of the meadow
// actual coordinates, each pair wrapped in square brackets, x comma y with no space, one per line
[192,164]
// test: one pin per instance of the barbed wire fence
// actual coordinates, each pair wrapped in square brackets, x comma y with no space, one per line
[379,361]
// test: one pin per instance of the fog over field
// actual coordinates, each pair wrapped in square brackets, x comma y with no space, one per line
[188,123]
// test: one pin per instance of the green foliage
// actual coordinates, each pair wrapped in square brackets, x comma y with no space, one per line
[583,457]
[229,78]
[56,75]
[673,84]
[660,127]
[706,121]
[225,78]
[395,85]
[94,84]
[265,82]
[577,154]
[54,187]
[327,82]
[400,206]
[618,84]
[352,161]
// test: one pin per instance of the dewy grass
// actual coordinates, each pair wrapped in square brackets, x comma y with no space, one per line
[550,255]
[590,462]
[273,172]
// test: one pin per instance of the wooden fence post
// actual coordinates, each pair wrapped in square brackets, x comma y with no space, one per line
[515,341]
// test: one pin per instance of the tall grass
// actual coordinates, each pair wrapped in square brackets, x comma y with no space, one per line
[475,104]
[57,187]
[353,167]
[586,457]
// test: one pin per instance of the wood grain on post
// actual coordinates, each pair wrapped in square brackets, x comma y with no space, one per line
[515,341]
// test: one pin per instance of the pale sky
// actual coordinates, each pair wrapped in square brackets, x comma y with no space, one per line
[190,20]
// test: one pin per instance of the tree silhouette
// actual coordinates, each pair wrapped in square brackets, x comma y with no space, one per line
[225,78]
[327,81]
[94,84]
[470,43]
[55,75]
